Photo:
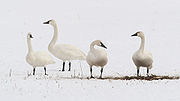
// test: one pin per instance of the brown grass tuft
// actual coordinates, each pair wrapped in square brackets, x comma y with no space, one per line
[148,78]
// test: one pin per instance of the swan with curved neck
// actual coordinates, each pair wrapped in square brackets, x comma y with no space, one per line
[97,57]
[142,58]
[64,52]
[38,58]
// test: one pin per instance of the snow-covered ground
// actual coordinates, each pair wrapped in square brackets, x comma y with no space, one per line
[80,22]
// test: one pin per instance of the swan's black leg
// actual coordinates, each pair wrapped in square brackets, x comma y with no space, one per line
[69,66]
[137,71]
[147,71]
[101,73]
[45,70]
[91,72]
[34,71]
[63,66]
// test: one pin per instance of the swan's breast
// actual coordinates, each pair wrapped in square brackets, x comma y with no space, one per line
[142,59]
[97,57]
[30,59]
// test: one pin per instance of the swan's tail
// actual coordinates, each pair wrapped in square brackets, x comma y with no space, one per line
[82,57]
[150,67]
[51,62]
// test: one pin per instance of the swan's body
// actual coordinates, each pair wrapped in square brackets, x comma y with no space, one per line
[142,58]
[97,57]
[67,52]
[38,58]
[64,52]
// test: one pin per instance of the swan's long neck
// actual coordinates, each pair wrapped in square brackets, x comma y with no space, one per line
[141,49]
[92,46]
[29,45]
[54,39]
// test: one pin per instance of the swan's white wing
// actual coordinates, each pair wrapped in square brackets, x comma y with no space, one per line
[69,52]
[149,54]
[43,57]
[148,58]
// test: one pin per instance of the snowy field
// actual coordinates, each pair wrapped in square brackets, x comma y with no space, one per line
[80,22]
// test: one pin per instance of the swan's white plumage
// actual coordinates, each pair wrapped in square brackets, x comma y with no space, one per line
[64,52]
[38,58]
[142,58]
[67,52]
[97,57]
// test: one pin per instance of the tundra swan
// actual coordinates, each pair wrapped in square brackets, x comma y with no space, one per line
[142,58]
[97,57]
[64,52]
[38,58]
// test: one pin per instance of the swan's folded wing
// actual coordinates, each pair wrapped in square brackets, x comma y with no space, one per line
[71,51]
[149,57]
[44,56]
[148,54]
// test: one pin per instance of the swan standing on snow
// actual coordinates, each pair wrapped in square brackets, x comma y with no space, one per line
[97,57]
[142,58]
[65,52]
[39,58]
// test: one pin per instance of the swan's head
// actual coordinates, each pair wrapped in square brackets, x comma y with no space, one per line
[99,43]
[51,22]
[29,36]
[139,34]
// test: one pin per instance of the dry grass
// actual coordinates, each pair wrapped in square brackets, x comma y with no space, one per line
[148,78]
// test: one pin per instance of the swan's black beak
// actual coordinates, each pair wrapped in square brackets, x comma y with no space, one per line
[46,22]
[134,34]
[31,36]
[102,45]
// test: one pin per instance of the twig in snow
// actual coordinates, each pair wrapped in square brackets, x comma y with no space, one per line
[28,74]
[74,73]
[10,72]
[81,70]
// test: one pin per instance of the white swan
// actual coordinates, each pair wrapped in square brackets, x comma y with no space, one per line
[39,58]
[142,58]
[65,52]
[97,57]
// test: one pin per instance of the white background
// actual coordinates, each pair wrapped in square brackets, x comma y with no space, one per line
[80,22]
